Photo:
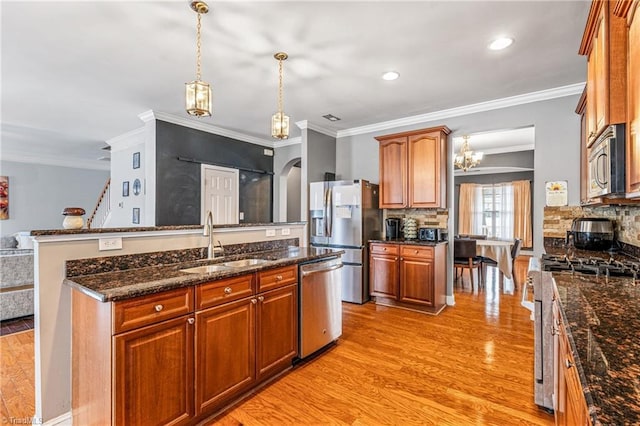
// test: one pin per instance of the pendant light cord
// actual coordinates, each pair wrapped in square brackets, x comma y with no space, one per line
[198,45]
[280,109]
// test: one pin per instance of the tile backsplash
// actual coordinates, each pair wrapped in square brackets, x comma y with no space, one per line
[557,220]
[426,218]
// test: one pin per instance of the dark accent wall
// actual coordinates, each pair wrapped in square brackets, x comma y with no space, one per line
[178,181]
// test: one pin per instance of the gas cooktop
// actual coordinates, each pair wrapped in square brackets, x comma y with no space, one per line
[592,265]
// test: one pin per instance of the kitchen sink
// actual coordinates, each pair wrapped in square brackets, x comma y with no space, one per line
[244,262]
[206,269]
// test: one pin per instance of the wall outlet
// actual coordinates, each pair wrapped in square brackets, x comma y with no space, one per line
[241,215]
[271,232]
[268,152]
[285,231]
[109,243]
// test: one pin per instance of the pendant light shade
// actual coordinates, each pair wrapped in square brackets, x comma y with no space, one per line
[198,92]
[280,121]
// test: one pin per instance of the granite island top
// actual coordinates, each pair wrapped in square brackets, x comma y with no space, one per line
[39,232]
[412,242]
[602,319]
[130,283]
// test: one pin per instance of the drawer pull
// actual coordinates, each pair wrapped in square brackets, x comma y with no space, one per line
[417,251]
[158,308]
[385,249]
[227,290]
[261,298]
[191,320]
[278,277]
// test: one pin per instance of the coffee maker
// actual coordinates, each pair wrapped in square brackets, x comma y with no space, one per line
[392,228]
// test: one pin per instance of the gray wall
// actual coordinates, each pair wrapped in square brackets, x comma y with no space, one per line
[318,157]
[39,193]
[557,146]
[293,194]
[283,159]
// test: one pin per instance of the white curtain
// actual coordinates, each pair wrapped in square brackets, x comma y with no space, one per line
[470,213]
[504,201]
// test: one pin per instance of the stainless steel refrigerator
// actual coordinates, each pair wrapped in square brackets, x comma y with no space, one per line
[345,215]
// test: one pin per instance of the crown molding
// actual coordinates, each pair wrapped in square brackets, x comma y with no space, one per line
[209,128]
[542,95]
[306,124]
[506,149]
[126,140]
[54,160]
[292,141]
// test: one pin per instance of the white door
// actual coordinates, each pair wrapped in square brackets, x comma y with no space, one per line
[220,194]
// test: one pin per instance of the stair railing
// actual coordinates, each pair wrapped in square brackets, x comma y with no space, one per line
[102,208]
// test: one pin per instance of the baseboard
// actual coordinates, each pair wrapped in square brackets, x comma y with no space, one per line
[63,420]
[451,301]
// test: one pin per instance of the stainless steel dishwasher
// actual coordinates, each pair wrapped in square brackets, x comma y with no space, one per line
[320,304]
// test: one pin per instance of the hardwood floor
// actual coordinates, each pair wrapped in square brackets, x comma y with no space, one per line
[472,364]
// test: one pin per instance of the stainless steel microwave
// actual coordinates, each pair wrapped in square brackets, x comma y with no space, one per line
[606,172]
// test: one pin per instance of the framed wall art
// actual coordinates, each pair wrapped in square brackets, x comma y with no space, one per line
[125,188]
[4,197]
[136,215]
[136,160]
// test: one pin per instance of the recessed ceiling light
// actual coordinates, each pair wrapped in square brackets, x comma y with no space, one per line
[331,117]
[501,43]
[390,75]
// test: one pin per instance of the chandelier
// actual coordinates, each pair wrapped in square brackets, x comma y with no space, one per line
[280,121]
[198,93]
[467,159]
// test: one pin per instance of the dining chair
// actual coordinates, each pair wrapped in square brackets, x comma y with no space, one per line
[515,251]
[464,253]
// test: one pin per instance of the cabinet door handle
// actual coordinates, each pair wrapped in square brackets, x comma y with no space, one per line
[158,308]
[227,290]
[278,277]
[261,298]
[254,301]
[568,363]
[191,320]
[384,248]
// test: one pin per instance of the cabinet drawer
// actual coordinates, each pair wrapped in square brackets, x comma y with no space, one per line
[223,291]
[145,310]
[384,249]
[416,251]
[275,278]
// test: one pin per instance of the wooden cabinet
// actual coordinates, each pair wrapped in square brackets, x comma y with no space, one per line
[178,356]
[384,273]
[225,352]
[277,331]
[628,11]
[413,169]
[153,374]
[571,406]
[604,42]
[408,275]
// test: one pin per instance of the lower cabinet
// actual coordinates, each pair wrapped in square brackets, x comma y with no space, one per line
[408,275]
[176,357]
[571,407]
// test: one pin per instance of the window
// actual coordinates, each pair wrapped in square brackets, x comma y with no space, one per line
[497,210]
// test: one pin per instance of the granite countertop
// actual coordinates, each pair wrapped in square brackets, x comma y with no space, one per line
[154,228]
[602,318]
[409,242]
[126,284]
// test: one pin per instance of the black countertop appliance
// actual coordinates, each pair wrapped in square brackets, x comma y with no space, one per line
[392,228]
[591,233]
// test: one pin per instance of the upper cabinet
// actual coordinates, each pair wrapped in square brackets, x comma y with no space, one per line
[413,169]
[605,44]
[629,10]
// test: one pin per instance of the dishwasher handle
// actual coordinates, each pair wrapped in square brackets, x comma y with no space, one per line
[314,268]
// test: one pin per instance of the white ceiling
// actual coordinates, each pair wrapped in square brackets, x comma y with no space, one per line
[75,74]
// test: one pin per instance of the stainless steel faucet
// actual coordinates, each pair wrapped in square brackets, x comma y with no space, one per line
[208,232]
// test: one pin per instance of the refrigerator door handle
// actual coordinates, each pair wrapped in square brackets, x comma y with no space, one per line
[329,213]
[324,213]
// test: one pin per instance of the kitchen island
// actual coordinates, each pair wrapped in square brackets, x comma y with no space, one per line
[176,343]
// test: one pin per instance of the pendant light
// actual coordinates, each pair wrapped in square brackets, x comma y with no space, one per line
[467,159]
[280,121]
[198,92]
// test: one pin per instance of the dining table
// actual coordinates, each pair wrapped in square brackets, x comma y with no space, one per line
[499,251]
